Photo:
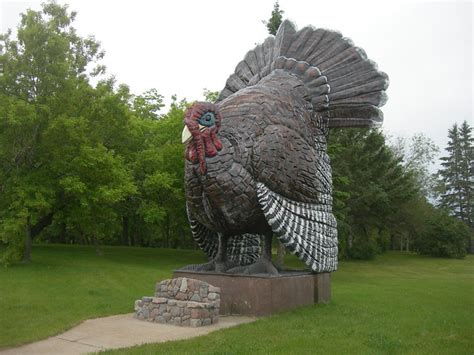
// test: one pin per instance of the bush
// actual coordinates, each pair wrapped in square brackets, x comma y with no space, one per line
[443,236]
[364,244]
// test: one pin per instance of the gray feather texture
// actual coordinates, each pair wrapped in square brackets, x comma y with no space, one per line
[307,230]
[272,175]
[242,249]
[344,84]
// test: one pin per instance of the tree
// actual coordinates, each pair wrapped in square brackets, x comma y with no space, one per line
[466,141]
[442,236]
[417,154]
[275,20]
[58,135]
[156,215]
[210,96]
[456,177]
[48,59]
[148,104]
[371,188]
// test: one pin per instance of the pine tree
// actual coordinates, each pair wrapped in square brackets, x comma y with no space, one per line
[457,174]
[275,20]
[466,142]
[450,174]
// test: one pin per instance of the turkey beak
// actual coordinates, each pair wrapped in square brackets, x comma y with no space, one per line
[186,135]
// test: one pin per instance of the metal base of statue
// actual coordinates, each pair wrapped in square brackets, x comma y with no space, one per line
[261,295]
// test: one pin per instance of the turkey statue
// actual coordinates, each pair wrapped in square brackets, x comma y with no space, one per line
[256,160]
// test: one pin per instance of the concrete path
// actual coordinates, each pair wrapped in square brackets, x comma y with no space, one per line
[118,332]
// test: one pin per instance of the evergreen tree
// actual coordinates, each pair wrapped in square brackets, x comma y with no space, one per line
[456,177]
[466,141]
[371,191]
[275,19]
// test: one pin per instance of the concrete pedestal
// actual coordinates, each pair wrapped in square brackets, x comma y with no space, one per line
[260,295]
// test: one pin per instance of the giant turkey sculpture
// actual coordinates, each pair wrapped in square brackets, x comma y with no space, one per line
[256,160]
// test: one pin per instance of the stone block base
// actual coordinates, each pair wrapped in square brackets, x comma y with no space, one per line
[181,301]
[259,295]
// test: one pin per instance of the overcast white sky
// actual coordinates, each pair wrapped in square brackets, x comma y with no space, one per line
[181,47]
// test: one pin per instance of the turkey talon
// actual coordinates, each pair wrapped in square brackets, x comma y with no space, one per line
[262,266]
[210,266]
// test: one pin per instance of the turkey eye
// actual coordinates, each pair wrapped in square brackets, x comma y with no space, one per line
[207,119]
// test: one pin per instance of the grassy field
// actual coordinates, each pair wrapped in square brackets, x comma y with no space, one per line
[399,303]
[67,284]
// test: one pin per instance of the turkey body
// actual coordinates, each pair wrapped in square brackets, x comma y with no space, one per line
[257,163]
[270,136]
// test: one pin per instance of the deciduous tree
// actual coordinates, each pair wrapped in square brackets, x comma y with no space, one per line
[58,134]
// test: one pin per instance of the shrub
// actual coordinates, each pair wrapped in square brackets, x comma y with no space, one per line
[443,236]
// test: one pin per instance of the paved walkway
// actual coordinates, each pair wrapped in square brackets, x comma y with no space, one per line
[118,332]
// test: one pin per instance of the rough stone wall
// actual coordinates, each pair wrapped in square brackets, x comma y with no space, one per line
[181,301]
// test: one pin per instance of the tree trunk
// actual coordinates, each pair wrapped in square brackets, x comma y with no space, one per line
[28,242]
[167,233]
[98,251]
[137,239]
[182,237]
[33,231]
[125,239]
[350,240]
[62,233]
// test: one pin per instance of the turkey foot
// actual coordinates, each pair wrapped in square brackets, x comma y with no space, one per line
[213,265]
[262,266]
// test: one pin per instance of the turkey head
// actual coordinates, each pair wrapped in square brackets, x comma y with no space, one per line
[201,123]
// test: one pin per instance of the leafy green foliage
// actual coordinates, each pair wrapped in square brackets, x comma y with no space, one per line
[417,153]
[148,104]
[370,189]
[157,216]
[210,96]
[442,236]
[48,59]
[79,163]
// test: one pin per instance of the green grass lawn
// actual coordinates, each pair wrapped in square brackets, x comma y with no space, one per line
[399,303]
[65,285]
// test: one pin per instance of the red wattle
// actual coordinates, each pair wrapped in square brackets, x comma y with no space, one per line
[217,143]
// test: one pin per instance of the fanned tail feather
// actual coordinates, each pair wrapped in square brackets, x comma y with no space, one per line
[344,86]
[307,230]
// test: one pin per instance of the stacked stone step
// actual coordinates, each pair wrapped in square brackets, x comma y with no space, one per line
[181,301]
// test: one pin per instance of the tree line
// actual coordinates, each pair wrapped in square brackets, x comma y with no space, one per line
[94,164]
